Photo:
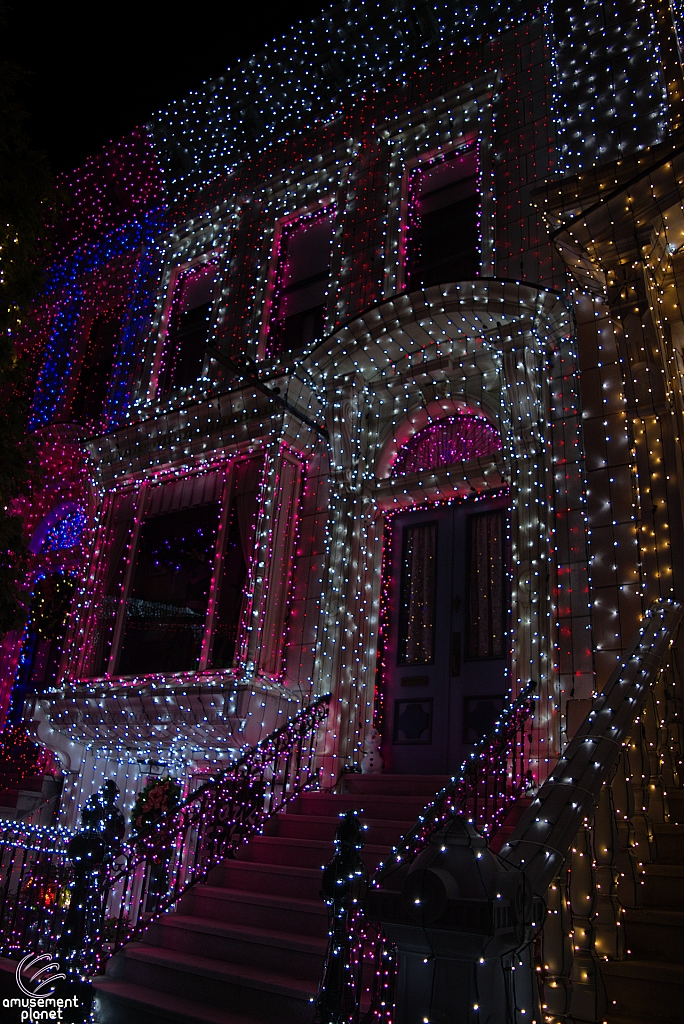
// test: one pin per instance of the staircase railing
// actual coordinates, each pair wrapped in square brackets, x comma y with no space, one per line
[494,777]
[34,882]
[151,874]
[580,843]
[595,824]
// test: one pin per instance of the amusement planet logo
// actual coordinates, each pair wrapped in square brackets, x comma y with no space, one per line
[45,975]
[36,976]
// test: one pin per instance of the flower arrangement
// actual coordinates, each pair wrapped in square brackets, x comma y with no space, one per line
[158,798]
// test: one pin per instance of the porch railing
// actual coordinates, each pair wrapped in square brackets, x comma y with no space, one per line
[491,780]
[151,874]
[34,885]
[597,821]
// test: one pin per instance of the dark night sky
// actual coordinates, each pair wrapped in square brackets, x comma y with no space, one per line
[98,70]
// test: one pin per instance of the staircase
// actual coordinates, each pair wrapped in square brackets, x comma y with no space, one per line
[649,984]
[247,946]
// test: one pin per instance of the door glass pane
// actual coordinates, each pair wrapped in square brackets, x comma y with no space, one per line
[485,586]
[417,595]
[167,607]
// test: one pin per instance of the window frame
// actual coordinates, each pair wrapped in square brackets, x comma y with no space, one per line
[424,161]
[143,496]
[163,332]
[283,224]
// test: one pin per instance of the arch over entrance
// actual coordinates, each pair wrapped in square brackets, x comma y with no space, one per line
[418,358]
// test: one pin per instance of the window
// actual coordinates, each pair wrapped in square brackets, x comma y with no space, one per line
[121,521]
[417,595]
[90,393]
[454,439]
[189,328]
[166,610]
[302,284]
[486,585]
[443,229]
[43,643]
[175,568]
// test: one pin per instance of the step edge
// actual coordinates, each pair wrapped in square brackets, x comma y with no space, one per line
[176,1007]
[290,869]
[261,898]
[240,931]
[221,970]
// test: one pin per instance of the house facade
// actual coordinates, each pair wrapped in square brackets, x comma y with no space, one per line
[358,371]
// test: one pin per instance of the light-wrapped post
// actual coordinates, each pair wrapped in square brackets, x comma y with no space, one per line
[344,884]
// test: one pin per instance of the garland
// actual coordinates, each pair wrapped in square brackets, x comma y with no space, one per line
[157,798]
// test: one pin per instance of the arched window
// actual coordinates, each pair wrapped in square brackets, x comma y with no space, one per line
[455,439]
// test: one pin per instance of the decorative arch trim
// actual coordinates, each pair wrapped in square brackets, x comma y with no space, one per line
[419,419]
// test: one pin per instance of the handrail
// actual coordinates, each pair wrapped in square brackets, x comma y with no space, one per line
[494,776]
[249,757]
[27,834]
[150,874]
[183,846]
[488,809]
[542,838]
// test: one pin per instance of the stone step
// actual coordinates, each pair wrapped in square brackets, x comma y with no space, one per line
[258,910]
[316,826]
[669,840]
[119,1001]
[256,876]
[372,806]
[424,786]
[675,799]
[636,987]
[314,853]
[617,1018]
[290,955]
[247,990]
[654,933]
[664,886]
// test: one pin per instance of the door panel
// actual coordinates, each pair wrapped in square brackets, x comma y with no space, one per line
[445,659]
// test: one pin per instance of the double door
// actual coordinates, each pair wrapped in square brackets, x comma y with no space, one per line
[445,656]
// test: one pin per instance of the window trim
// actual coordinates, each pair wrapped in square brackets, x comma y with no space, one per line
[327,202]
[143,503]
[163,330]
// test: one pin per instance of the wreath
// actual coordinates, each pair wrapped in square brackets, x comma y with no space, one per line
[158,798]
